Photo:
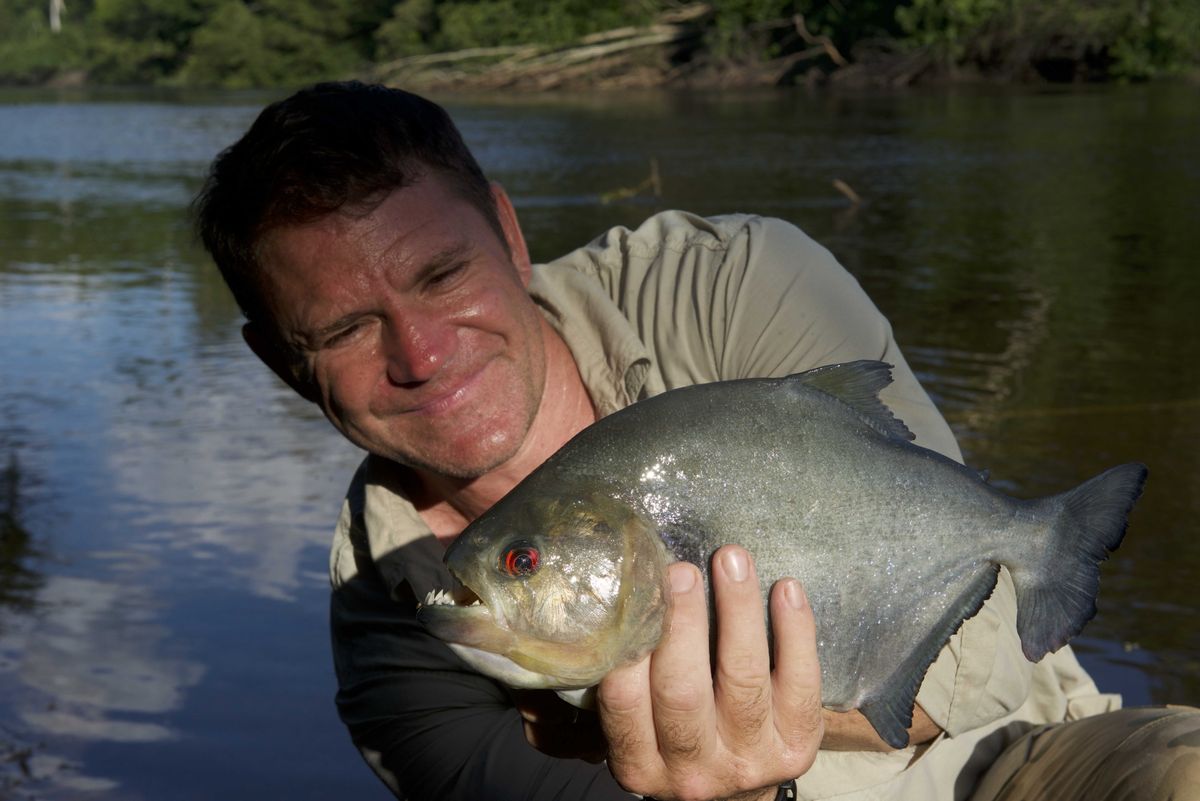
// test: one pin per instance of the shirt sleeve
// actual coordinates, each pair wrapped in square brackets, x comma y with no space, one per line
[770,302]
[430,727]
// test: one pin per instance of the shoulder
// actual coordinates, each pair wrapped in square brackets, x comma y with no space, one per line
[380,532]
[667,239]
[349,545]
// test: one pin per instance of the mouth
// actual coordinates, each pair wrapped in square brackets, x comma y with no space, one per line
[443,400]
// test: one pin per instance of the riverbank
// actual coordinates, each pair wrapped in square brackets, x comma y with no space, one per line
[676,50]
[534,45]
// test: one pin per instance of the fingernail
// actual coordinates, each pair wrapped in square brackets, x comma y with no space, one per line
[682,579]
[794,593]
[735,563]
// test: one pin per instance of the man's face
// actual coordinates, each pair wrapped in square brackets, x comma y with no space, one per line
[415,327]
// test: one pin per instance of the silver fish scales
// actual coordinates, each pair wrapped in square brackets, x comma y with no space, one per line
[896,545]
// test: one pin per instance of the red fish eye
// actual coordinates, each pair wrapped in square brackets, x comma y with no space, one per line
[520,559]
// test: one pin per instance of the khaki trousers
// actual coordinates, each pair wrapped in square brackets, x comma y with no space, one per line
[1137,754]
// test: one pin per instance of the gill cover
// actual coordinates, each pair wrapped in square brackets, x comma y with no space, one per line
[571,587]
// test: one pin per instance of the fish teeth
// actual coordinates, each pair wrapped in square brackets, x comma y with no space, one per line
[438,598]
[443,598]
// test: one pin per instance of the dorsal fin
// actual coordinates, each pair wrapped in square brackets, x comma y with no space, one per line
[857,384]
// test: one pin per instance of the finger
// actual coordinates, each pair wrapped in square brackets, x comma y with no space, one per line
[681,686]
[623,704]
[743,675]
[796,680]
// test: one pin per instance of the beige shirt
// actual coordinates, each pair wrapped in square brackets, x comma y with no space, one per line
[684,300]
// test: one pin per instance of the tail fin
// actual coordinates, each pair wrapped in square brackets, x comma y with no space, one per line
[1057,596]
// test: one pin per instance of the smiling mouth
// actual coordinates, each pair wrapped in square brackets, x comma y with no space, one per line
[446,401]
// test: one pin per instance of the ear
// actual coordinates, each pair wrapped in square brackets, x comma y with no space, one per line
[269,350]
[512,233]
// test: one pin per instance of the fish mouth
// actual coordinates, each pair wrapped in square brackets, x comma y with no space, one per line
[461,597]
[460,616]
[461,619]
[481,636]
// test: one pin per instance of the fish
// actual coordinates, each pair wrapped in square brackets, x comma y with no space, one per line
[564,578]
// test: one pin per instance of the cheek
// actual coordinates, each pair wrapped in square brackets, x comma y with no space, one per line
[503,308]
[347,380]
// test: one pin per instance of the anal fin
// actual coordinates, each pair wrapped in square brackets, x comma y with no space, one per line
[890,712]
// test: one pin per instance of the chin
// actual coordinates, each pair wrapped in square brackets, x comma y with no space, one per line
[471,467]
[465,457]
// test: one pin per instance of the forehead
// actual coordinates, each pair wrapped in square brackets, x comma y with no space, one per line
[338,254]
[402,226]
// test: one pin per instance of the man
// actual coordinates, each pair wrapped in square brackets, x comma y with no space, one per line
[384,279]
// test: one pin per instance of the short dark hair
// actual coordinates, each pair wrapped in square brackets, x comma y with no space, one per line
[333,146]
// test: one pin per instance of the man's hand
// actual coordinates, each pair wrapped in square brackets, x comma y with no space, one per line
[678,730]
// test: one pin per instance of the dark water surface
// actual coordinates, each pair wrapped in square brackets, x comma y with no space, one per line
[165,504]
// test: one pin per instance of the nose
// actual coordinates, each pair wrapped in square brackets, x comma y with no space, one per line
[416,347]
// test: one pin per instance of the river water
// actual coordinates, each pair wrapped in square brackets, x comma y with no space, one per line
[165,503]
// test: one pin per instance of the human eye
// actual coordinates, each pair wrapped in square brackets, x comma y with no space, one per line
[446,275]
[341,335]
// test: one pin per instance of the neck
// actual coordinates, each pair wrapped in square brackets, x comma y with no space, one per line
[565,410]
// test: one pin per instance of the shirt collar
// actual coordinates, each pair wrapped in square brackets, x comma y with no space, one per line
[613,361]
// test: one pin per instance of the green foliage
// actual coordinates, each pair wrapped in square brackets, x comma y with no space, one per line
[1156,37]
[281,42]
[426,26]
[479,24]
[752,29]
[732,34]
[946,24]
[140,41]
[243,43]
[410,30]
[31,53]
[1126,38]
[230,50]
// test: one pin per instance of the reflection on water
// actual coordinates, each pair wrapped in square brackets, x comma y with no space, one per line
[18,581]
[99,654]
[166,504]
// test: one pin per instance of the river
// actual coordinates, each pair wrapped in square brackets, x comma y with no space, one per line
[166,504]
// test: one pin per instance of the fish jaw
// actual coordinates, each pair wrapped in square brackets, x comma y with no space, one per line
[504,669]
[468,625]
[472,633]
[516,659]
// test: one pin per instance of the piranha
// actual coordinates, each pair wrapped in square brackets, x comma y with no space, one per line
[896,545]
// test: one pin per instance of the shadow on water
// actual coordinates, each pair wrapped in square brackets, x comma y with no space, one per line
[19,583]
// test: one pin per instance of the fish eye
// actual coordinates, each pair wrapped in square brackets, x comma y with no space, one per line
[520,559]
